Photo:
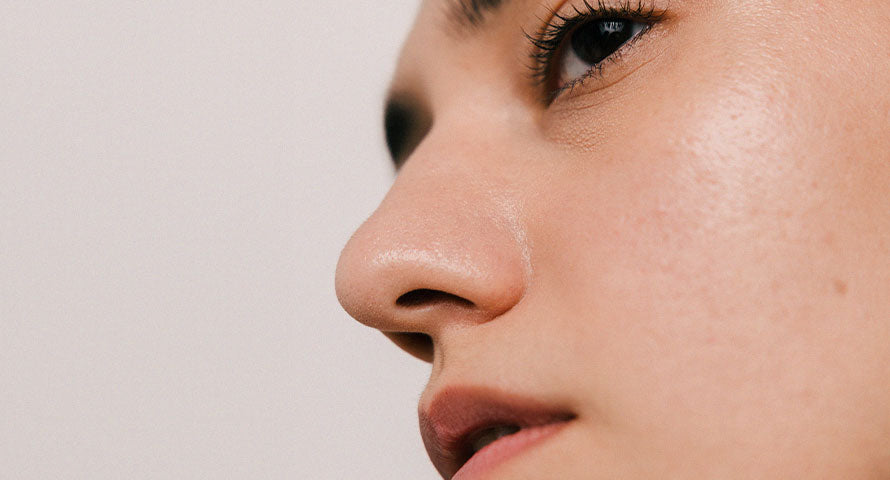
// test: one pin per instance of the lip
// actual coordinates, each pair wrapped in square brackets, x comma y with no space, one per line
[456,414]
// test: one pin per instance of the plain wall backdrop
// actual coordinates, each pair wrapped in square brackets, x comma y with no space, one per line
[176,181]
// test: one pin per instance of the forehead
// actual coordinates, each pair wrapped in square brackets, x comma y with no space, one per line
[452,28]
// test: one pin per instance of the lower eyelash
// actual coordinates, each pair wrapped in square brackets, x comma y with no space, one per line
[549,39]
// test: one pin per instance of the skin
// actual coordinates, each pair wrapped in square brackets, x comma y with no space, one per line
[692,252]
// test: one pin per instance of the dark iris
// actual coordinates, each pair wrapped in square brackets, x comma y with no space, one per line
[594,41]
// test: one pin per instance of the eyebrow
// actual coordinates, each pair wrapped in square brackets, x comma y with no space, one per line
[466,14]
[405,124]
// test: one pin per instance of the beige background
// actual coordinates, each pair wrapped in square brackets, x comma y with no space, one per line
[176,181]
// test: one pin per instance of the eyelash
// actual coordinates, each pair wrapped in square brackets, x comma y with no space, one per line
[548,42]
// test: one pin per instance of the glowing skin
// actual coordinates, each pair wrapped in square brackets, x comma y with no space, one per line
[691,252]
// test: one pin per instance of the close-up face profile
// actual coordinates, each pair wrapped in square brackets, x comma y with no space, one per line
[639,239]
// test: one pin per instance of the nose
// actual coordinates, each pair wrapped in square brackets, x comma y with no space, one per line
[445,249]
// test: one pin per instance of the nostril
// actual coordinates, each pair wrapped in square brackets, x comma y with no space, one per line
[425,297]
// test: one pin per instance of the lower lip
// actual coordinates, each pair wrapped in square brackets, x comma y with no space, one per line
[503,449]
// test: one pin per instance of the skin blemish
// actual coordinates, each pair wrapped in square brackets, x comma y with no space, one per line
[840,287]
[775,287]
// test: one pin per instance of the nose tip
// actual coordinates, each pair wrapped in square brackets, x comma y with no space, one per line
[425,261]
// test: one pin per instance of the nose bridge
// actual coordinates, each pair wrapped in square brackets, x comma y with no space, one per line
[447,228]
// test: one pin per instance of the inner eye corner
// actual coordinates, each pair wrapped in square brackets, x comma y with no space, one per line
[406,122]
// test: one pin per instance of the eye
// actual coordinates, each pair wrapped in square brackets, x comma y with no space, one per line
[406,122]
[574,47]
[591,43]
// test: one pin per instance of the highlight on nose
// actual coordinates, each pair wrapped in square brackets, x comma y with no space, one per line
[400,290]
[422,263]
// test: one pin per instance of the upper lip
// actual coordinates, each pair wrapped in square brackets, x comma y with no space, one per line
[456,414]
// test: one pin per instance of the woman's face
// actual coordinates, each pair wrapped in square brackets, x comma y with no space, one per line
[660,228]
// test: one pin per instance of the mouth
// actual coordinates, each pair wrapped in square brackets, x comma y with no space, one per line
[469,431]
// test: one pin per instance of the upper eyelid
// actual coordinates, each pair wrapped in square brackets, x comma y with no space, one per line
[614,58]
[558,26]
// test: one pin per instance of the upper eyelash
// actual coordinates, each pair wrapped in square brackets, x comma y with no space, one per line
[547,41]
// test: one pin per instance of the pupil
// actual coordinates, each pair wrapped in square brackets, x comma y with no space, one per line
[592,42]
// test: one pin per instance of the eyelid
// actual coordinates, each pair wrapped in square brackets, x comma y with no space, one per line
[597,70]
[547,43]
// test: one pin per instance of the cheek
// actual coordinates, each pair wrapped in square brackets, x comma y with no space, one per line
[693,204]
[709,256]
[721,204]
